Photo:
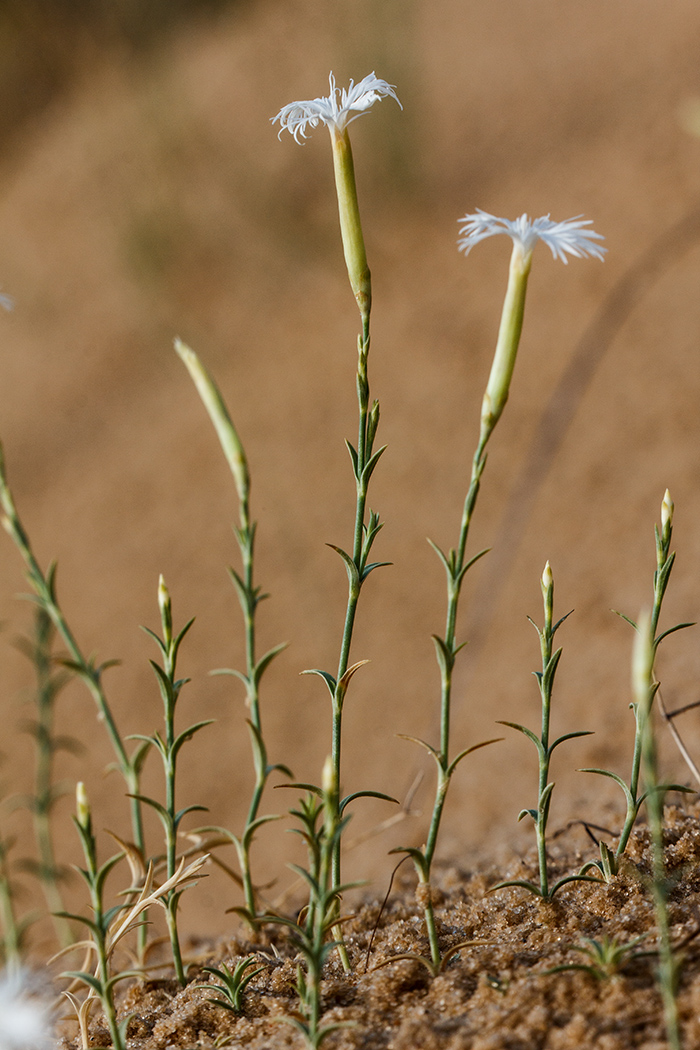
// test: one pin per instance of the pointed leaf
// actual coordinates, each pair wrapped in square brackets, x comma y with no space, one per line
[183,812]
[372,566]
[468,751]
[187,734]
[445,657]
[353,575]
[672,630]
[571,878]
[232,671]
[520,883]
[265,661]
[252,828]
[526,732]
[560,621]
[327,678]
[625,618]
[616,778]
[371,464]
[527,813]
[550,671]
[443,558]
[159,642]
[569,736]
[365,794]
[345,680]
[472,561]
[422,743]
[416,856]
[353,456]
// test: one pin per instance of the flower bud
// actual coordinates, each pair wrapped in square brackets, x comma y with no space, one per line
[547,578]
[82,806]
[667,508]
[166,610]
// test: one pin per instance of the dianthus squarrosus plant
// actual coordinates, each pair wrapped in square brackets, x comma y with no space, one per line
[122,943]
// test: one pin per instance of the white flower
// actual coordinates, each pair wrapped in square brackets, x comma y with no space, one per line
[338,109]
[560,237]
[24,1021]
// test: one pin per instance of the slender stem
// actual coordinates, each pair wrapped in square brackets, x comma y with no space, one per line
[98,927]
[645,689]
[249,603]
[11,939]
[364,451]
[664,565]
[46,691]
[43,586]
[546,635]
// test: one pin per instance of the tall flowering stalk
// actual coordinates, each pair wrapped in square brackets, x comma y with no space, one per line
[337,111]
[249,596]
[570,237]
[644,688]
[44,595]
[634,792]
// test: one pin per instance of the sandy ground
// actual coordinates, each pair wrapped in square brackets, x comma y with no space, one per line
[155,199]
[495,992]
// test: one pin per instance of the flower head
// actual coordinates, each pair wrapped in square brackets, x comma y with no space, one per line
[24,1021]
[338,109]
[562,238]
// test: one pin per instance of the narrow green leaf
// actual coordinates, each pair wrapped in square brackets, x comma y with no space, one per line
[468,751]
[353,457]
[371,464]
[265,661]
[526,732]
[569,736]
[327,678]
[625,618]
[672,630]
[366,794]
[187,734]
[445,657]
[443,558]
[353,575]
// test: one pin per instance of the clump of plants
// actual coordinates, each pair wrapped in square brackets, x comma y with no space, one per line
[314,936]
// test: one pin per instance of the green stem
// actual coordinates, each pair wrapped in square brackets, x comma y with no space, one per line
[246,542]
[10,930]
[661,578]
[45,695]
[667,969]
[546,636]
[364,451]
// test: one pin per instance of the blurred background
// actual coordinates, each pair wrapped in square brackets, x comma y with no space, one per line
[144,194]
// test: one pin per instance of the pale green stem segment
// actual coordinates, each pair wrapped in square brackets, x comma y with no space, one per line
[508,340]
[644,688]
[219,415]
[350,225]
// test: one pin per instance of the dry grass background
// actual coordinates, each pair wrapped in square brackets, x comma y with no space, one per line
[149,197]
